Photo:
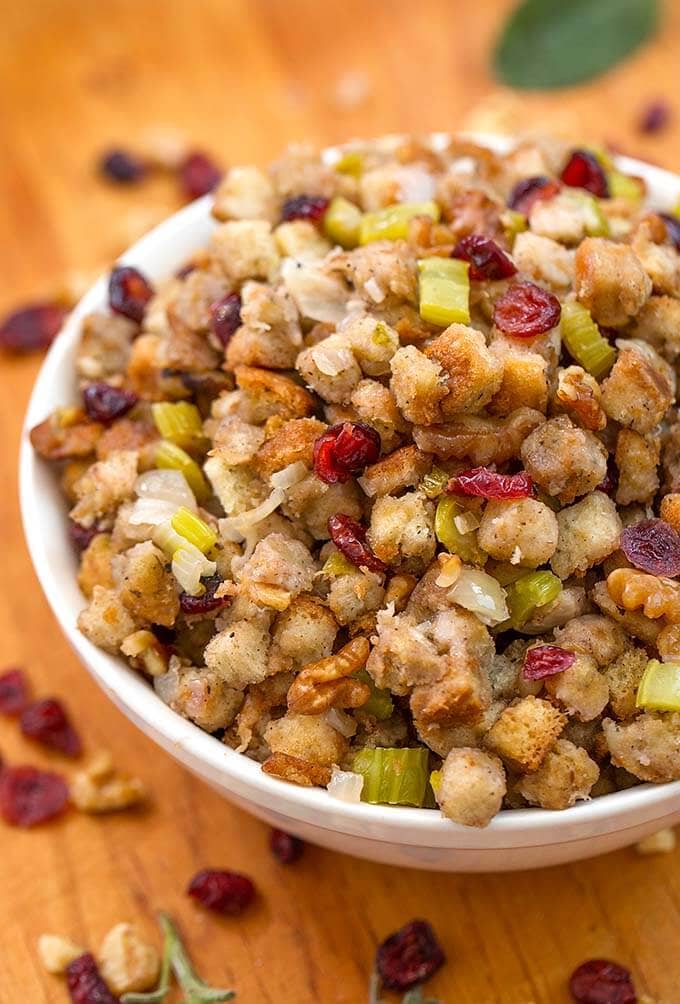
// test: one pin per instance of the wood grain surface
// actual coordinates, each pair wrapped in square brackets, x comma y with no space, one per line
[242,78]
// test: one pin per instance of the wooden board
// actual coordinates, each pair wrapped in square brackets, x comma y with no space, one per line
[242,79]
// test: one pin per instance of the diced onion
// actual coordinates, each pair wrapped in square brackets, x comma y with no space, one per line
[331,359]
[289,476]
[188,566]
[481,594]
[168,485]
[151,512]
[317,295]
[345,785]
[236,528]
[467,521]
[342,723]
[167,538]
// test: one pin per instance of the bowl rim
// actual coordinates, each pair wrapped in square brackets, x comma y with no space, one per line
[200,751]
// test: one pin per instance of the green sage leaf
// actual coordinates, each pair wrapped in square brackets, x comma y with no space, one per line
[556,43]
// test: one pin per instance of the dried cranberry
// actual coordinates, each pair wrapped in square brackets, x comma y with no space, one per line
[653,546]
[122,167]
[105,403]
[583,170]
[81,536]
[225,317]
[224,892]
[85,984]
[610,482]
[32,328]
[198,175]
[129,292]
[601,982]
[350,539]
[285,847]
[487,260]
[486,484]
[206,603]
[305,207]
[13,692]
[526,310]
[345,450]
[47,722]
[672,228]
[532,190]
[409,956]
[29,796]
[655,117]
[546,660]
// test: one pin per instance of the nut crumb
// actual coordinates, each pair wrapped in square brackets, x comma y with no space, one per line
[56,953]
[127,962]
[99,787]
[662,842]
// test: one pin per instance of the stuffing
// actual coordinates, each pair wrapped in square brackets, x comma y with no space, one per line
[525,733]
[637,458]
[95,565]
[305,631]
[581,690]
[279,561]
[660,260]
[610,281]
[375,404]
[571,602]
[128,434]
[405,468]
[189,307]
[588,532]
[301,239]
[270,332]
[105,621]
[640,387]
[471,374]
[578,395]
[354,594]
[658,323]
[266,393]
[594,635]
[418,384]
[308,737]
[670,510]
[245,193]
[236,441]
[566,775]
[647,747]
[104,486]
[312,502]
[383,272]
[543,260]
[199,694]
[623,676]
[524,381]
[238,655]
[237,488]
[61,438]
[372,342]
[480,440]
[472,787]
[148,588]
[104,347]
[566,218]
[330,369]
[245,249]
[402,530]
[564,460]
[523,531]
[292,443]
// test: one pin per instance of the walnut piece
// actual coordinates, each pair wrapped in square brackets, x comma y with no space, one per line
[99,787]
[127,962]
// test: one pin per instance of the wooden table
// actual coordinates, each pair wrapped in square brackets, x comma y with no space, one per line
[242,79]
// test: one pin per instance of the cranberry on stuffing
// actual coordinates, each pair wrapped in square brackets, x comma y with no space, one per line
[304,207]
[344,450]
[129,292]
[526,310]
[47,722]
[409,956]
[33,327]
[85,984]
[206,603]
[29,796]
[601,982]
[350,539]
[546,660]
[14,692]
[225,317]
[487,260]
[583,170]
[81,536]
[653,546]
[221,891]
[486,484]
[105,403]
[531,190]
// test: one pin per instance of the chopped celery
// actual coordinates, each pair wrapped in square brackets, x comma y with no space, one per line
[380,704]
[381,335]
[602,156]
[435,780]
[337,564]
[351,162]
[513,223]
[194,529]
[463,544]
[167,538]
[178,421]
[189,565]
[173,457]
[625,186]
[583,340]
[659,688]
[392,776]
[444,290]
[676,210]
[342,221]
[596,223]
[434,483]
[533,590]
[391,223]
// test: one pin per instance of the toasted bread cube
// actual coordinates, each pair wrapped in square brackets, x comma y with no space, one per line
[566,775]
[525,733]
[329,368]
[523,531]
[610,281]
[402,529]
[245,193]
[647,747]
[245,249]
[624,675]
[581,689]
[402,469]
[472,786]
[95,565]
[637,459]
[106,622]
[670,510]
[308,737]
[418,384]
[588,532]
[594,635]
[525,377]
[564,460]
[640,388]
[149,589]
[543,260]
[472,373]
[658,323]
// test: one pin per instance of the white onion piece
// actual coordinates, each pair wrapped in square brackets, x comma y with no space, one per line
[342,723]
[481,594]
[235,528]
[317,295]
[345,785]
[332,359]
[415,184]
[374,290]
[166,485]
[188,566]
[289,476]
[151,511]
[466,522]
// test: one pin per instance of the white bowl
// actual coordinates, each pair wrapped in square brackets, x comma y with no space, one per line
[417,838]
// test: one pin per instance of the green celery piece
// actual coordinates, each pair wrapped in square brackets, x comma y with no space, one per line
[434,483]
[584,341]
[392,776]
[625,186]
[463,544]
[392,223]
[536,589]
[444,291]
[342,221]
[659,688]
[379,704]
